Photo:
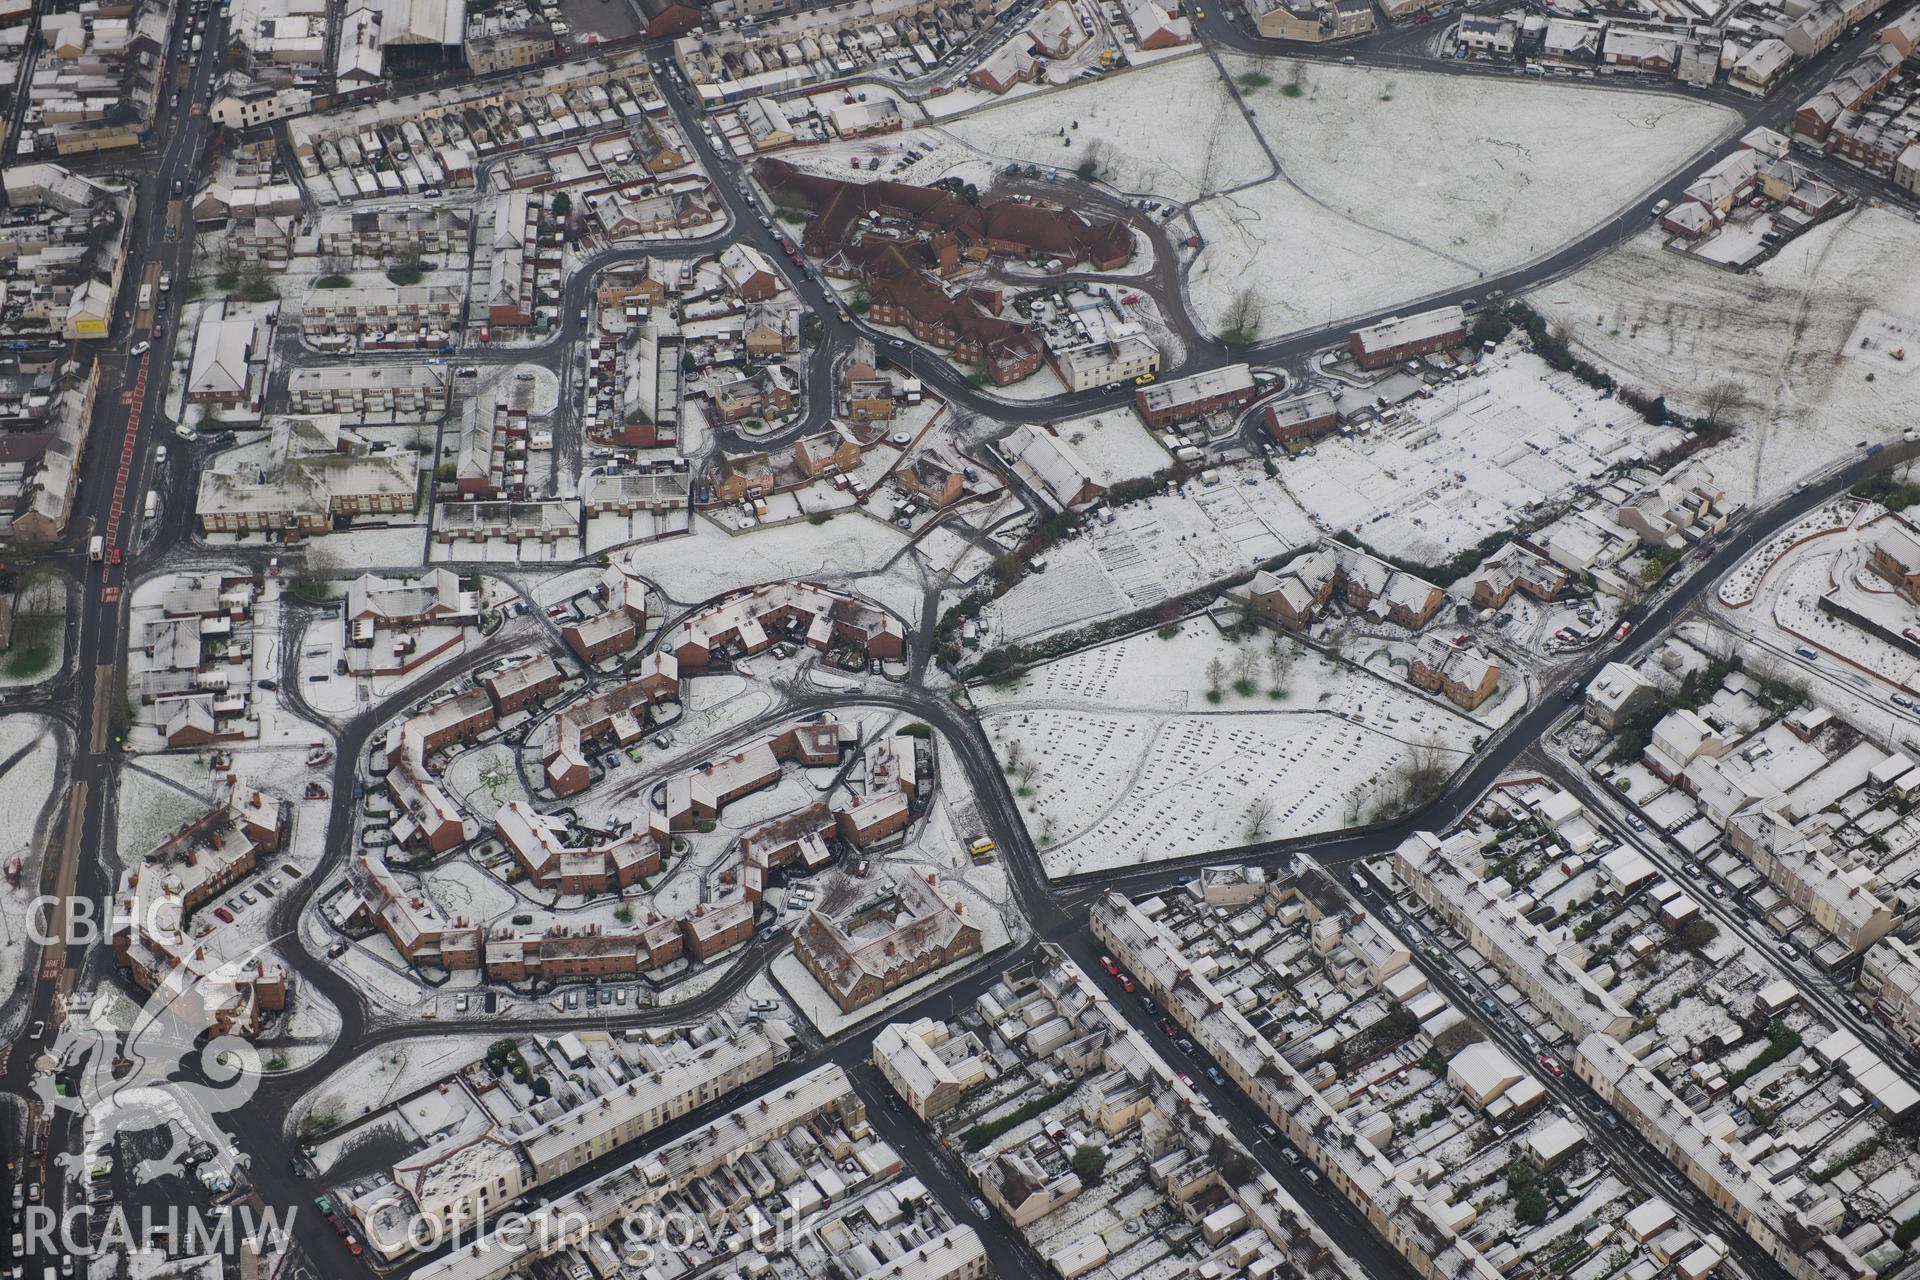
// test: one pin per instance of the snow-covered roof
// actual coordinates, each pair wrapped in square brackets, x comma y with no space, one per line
[1483,1072]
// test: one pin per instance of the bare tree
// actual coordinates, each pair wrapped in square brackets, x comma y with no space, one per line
[1216,676]
[1243,317]
[1279,666]
[1259,810]
[1721,399]
[1419,780]
[1093,159]
[38,592]
[1246,664]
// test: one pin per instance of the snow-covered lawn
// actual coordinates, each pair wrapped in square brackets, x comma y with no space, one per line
[484,779]
[359,550]
[375,1079]
[1125,124]
[711,561]
[1120,758]
[1114,445]
[150,810]
[1397,185]
[39,646]
[1789,334]
[29,752]
[1743,582]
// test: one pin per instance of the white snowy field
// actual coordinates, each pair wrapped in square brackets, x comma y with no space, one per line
[29,754]
[1790,334]
[1396,185]
[712,561]
[1119,757]
[1213,149]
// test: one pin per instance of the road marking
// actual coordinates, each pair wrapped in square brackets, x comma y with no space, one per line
[135,399]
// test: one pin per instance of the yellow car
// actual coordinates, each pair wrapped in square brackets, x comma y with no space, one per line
[1143,380]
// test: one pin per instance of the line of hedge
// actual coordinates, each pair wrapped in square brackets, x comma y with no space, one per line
[987,1130]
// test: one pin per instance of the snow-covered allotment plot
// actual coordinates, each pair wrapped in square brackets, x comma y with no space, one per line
[1788,334]
[1120,759]
[1125,121]
[1152,549]
[1472,460]
[1397,185]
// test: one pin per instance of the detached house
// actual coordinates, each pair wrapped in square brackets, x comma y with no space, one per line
[1896,555]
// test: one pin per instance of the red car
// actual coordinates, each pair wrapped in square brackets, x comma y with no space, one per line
[353,1246]
[1113,970]
[1126,984]
[1622,631]
[224,914]
[333,1220]
[1552,1065]
[113,556]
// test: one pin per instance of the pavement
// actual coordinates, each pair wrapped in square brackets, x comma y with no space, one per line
[119,468]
